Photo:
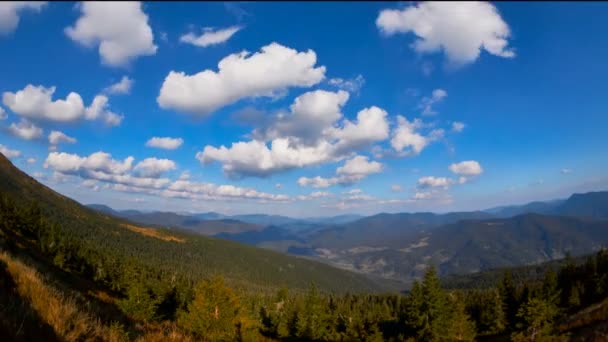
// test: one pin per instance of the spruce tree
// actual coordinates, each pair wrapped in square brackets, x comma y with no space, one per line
[433,313]
[538,316]
[460,327]
[214,312]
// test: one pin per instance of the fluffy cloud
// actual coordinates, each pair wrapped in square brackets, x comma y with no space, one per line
[317,182]
[352,85]
[359,166]
[119,28]
[100,166]
[263,74]
[35,102]
[122,87]
[153,167]
[145,177]
[56,137]
[311,115]
[210,37]
[459,29]
[434,182]
[99,109]
[255,158]
[407,141]
[313,132]
[3,114]
[165,143]
[435,188]
[371,126]
[466,168]
[31,160]
[8,153]
[457,126]
[353,170]
[98,161]
[25,130]
[196,190]
[427,102]
[10,10]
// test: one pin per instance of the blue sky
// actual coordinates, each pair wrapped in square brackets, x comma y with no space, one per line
[336,108]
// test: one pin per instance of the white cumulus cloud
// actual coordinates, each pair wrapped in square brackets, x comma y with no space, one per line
[210,36]
[121,87]
[406,140]
[434,182]
[25,130]
[57,137]
[8,153]
[314,132]
[353,171]
[166,143]
[359,166]
[241,75]
[466,168]
[120,29]
[461,29]
[154,167]
[36,103]
[10,10]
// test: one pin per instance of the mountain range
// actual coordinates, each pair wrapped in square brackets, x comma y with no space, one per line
[400,246]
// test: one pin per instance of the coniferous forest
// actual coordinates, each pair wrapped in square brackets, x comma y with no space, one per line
[63,282]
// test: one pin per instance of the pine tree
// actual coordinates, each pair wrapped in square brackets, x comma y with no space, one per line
[550,288]
[510,301]
[410,316]
[460,327]
[433,311]
[140,303]
[537,316]
[313,316]
[214,312]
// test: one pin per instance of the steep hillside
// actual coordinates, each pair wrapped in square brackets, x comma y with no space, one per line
[591,204]
[111,240]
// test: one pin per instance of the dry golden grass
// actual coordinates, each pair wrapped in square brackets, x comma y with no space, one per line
[163,332]
[54,308]
[153,233]
[102,296]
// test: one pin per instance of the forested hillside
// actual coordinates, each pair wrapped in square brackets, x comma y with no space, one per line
[75,234]
[69,274]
